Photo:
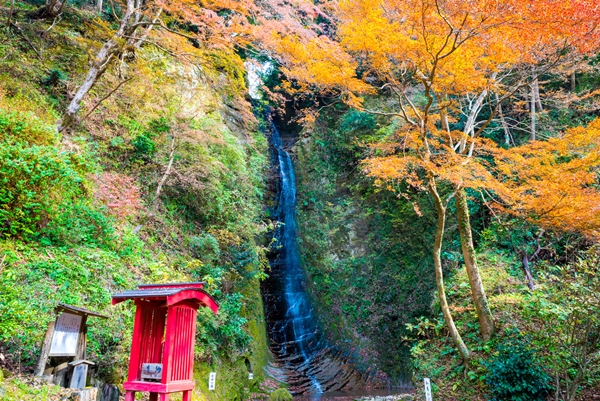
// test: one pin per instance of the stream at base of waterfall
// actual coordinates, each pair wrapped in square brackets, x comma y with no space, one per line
[302,356]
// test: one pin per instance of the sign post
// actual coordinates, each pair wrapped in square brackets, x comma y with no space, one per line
[212,379]
[428,389]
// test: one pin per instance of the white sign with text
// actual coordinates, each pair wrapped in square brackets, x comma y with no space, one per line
[66,334]
[212,380]
[428,390]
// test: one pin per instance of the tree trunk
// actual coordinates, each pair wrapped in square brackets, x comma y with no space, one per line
[439,274]
[484,314]
[98,6]
[503,122]
[532,134]
[98,67]
[536,91]
[165,175]
[528,275]
[573,81]
[444,119]
[10,13]
[146,32]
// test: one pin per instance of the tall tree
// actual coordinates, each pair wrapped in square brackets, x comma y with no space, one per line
[215,24]
[435,61]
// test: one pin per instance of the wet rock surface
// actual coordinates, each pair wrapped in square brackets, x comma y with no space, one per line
[303,358]
[355,397]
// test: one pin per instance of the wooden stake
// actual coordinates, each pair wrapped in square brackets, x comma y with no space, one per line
[41,365]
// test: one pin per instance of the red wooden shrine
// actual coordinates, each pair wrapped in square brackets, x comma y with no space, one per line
[164,332]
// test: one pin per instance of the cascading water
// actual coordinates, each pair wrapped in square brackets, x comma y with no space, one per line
[293,331]
[303,357]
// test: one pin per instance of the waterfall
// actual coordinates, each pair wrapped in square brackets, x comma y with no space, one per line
[295,331]
[302,356]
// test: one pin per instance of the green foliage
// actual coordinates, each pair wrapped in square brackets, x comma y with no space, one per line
[515,373]
[79,223]
[54,77]
[144,146]
[566,320]
[34,177]
[225,331]
[18,389]
[36,278]
[205,247]
[281,394]
[357,121]
[159,126]
[19,127]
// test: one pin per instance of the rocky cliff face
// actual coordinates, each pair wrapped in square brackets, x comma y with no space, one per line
[364,251]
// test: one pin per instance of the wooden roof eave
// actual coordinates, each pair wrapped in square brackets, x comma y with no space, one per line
[78,311]
[179,295]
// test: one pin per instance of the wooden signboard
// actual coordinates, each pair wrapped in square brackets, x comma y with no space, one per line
[66,335]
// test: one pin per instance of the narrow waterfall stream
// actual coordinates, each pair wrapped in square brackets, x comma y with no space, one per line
[303,357]
[293,331]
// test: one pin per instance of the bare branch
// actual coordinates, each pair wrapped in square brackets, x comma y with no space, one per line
[106,97]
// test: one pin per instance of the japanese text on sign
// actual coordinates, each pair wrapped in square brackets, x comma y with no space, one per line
[66,334]
[212,379]
[428,390]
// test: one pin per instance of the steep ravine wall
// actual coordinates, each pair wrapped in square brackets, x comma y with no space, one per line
[98,228]
[364,251]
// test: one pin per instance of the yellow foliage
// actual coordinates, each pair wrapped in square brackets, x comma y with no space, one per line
[555,183]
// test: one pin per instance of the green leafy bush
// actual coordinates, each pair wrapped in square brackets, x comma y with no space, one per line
[224,331]
[144,146]
[54,77]
[281,394]
[357,121]
[205,247]
[33,180]
[80,223]
[567,321]
[514,373]
[25,127]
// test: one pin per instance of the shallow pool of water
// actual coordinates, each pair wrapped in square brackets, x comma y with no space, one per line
[345,396]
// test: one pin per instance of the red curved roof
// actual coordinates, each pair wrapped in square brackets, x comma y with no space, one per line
[171,293]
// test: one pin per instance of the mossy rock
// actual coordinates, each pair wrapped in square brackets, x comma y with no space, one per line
[281,394]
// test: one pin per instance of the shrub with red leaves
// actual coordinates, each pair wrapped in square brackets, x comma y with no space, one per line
[119,193]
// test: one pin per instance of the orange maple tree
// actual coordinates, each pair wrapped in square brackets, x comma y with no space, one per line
[554,184]
[435,61]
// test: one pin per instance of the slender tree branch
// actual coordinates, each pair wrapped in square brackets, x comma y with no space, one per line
[106,97]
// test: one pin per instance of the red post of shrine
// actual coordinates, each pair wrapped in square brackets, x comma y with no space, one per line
[164,332]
